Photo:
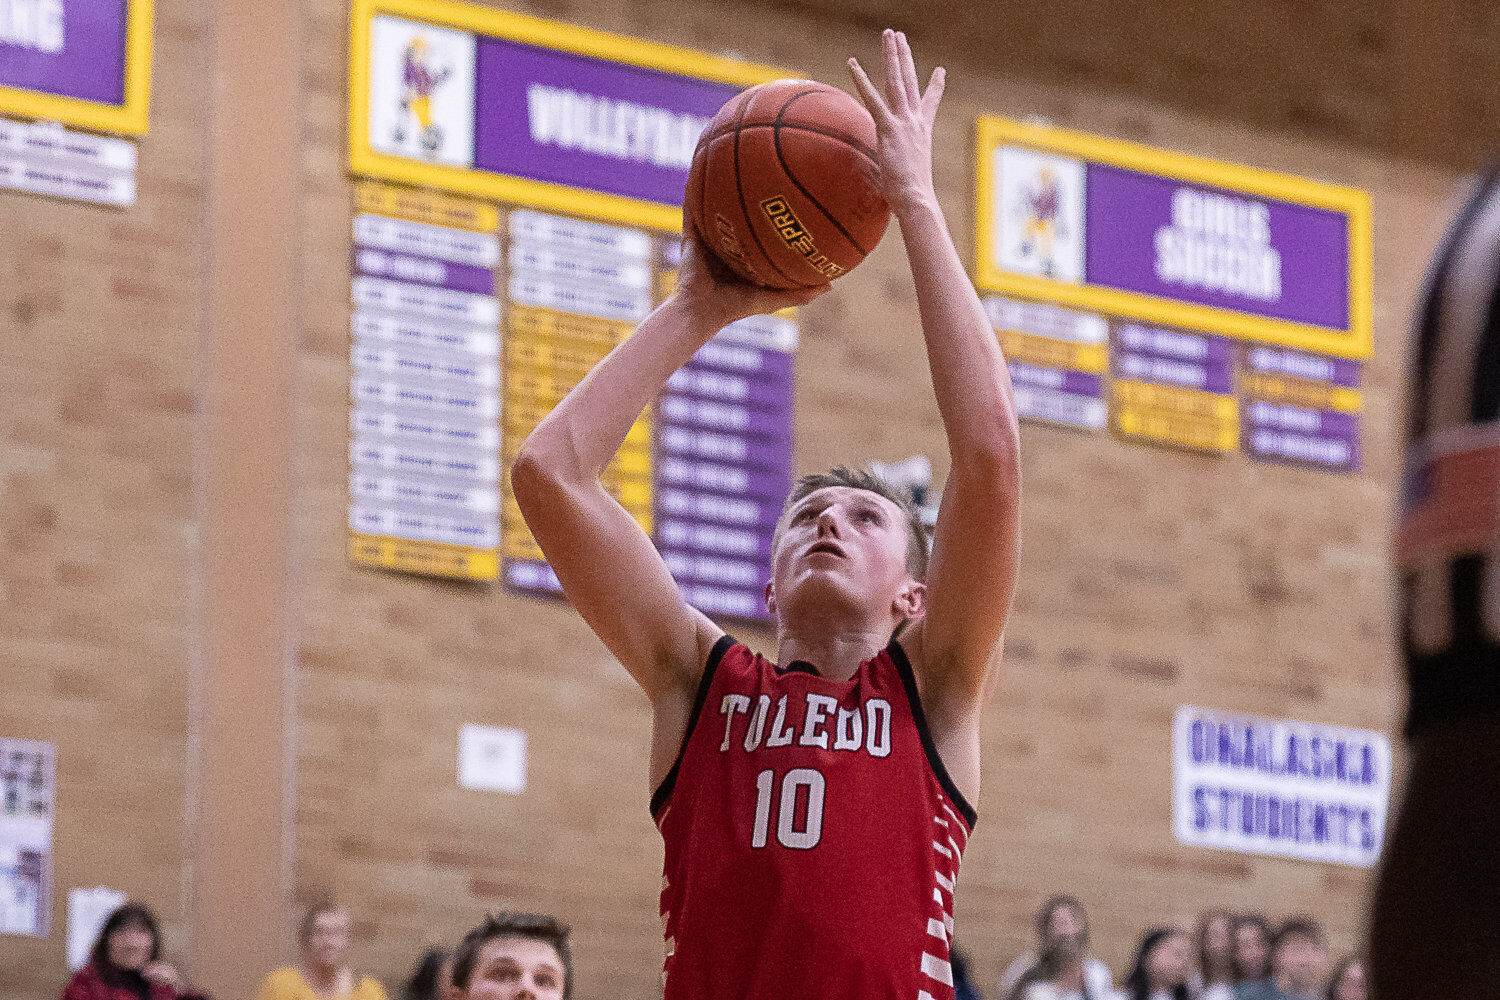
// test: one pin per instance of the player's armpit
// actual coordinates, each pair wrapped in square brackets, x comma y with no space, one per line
[612,574]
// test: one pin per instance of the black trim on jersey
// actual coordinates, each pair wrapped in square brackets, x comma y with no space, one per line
[909,682]
[710,667]
[798,667]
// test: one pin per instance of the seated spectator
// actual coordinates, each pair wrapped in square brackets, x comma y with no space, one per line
[126,962]
[1163,963]
[514,955]
[1061,961]
[324,973]
[1215,976]
[1299,963]
[1347,981]
[432,979]
[1252,949]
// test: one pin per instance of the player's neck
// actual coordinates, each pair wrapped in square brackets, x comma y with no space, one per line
[836,653]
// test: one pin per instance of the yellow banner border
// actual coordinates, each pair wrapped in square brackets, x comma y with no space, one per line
[132,117]
[523,28]
[1356,342]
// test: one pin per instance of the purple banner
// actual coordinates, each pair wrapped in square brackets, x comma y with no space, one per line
[571,119]
[1311,367]
[67,49]
[1213,247]
[761,392]
[424,271]
[1300,420]
[731,417]
[716,477]
[1164,343]
[745,512]
[774,455]
[1063,379]
[1217,378]
[1335,451]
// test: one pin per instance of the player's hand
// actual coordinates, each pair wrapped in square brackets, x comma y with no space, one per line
[903,122]
[719,296]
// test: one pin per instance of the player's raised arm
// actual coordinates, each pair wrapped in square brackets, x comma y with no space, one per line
[972,573]
[609,569]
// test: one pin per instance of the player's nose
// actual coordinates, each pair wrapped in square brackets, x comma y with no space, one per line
[828,524]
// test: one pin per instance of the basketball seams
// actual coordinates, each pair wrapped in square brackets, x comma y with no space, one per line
[787,169]
[739,191]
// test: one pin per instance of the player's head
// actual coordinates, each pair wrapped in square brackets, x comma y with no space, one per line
[1062,923]
[848,544]
[1299,959]
[325,936]
[514,956]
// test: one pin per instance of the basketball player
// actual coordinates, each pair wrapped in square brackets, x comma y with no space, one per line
[814,809]
[1436,921]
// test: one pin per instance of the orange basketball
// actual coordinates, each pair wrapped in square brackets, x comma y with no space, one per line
[785,187]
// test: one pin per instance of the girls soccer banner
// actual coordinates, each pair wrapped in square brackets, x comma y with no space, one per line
[1176,300]
[1274,786]
[82,63]
[512,108]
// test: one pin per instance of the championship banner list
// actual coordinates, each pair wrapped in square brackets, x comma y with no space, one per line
[479,308]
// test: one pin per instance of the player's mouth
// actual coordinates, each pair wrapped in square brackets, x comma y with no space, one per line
[828,547]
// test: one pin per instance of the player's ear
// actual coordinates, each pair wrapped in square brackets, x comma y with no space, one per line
[770,597]
[911,602]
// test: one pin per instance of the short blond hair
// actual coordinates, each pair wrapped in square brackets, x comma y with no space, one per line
[864,479]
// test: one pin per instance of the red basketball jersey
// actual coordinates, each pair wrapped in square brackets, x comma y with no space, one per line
[812,837]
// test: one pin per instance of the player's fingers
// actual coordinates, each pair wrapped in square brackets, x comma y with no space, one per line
[895,89]
[867,91]
[909,71]
[934,95]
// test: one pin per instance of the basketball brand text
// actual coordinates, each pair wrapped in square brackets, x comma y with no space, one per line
[795,235]
[729,244]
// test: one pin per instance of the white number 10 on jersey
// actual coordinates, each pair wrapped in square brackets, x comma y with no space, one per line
[786,816]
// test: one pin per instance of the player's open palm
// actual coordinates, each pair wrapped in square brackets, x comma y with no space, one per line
[903,115]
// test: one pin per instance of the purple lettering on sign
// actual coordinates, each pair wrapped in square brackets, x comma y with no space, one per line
[1189,243]
[571,119]
[68,49]
[424,271]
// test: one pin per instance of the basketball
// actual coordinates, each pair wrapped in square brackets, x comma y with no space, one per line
[785,186]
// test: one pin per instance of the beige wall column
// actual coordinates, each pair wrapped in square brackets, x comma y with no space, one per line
[243,692]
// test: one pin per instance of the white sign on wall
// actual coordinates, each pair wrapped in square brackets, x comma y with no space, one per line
[492,758]
[1276,786]
[28,804]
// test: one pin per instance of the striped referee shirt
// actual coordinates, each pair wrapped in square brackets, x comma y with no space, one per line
[1448,546]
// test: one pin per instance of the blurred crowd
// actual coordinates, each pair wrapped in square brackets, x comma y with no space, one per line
[524,956]
[1228,956]
[508,956]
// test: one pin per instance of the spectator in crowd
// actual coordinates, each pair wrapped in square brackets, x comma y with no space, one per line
[514,955]
[126,962]
[1215,977]
[1347,981]
[1061,957]
[1299,962]
[432,978]
[1252,949]
[1163,963]
[324,973]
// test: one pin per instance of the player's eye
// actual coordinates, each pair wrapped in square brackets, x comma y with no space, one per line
[868,515]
